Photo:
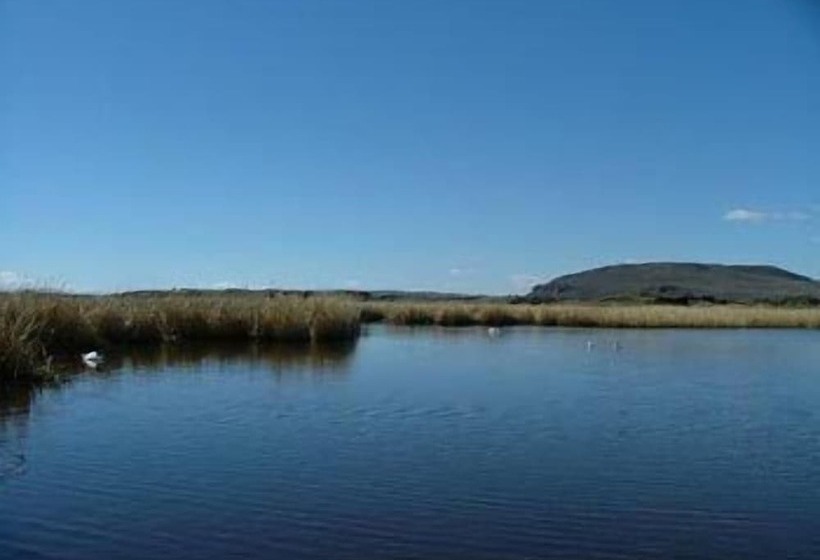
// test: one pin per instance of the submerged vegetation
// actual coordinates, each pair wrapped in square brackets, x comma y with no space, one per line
[38,331]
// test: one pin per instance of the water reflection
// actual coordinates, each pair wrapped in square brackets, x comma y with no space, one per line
[15,401]
[280,359]
[15,410]
[455,333]
[319,358]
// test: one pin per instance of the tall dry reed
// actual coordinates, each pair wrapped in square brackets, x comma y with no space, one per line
[588,315]
[36,328]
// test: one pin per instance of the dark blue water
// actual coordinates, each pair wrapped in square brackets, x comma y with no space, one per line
[427,444]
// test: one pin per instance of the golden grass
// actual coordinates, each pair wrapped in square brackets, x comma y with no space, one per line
[36,328]
[589,315]
[22,354]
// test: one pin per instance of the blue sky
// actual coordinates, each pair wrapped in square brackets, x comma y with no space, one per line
[466,145]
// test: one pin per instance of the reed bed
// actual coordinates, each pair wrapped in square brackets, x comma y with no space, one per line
[604,316]
[39,330]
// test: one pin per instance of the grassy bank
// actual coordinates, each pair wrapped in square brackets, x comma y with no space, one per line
[38,331]
[605,316]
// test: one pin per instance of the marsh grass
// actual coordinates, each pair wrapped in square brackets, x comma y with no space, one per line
[606,316]
[39,330]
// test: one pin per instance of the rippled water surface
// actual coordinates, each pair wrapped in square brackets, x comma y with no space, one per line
[427,444]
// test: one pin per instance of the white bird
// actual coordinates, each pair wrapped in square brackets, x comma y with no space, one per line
[92,359]
[494,331]
[590,345]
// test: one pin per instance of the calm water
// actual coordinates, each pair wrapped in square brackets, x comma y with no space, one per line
[427,444]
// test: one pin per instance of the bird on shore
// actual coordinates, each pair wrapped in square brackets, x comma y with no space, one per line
[92,359]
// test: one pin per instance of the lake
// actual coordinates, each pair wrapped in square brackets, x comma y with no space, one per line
[428,443]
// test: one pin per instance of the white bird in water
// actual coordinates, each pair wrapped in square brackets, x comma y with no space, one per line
[494,331]
[590,345]
[92,359]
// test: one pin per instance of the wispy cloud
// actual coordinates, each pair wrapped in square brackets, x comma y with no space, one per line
[457,271]
[224,285]
[523,282]
[227,285]
[9,279]
[746,215]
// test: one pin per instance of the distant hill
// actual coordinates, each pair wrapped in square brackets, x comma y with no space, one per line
[681,283]
[676,283]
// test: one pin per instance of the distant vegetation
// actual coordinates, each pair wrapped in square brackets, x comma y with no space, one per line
[592,315]
[662,283]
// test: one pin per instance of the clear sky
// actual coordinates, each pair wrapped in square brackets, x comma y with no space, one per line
[465,145]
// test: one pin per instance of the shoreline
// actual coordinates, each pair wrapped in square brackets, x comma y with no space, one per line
[589,315]
[39,330]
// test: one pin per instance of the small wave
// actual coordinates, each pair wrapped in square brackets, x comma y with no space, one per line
[12,465]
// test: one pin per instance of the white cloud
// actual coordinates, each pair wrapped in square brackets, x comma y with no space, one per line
[10,280]
[757,216]
[224,286]
[524,282]
[458,271]
[744,215]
